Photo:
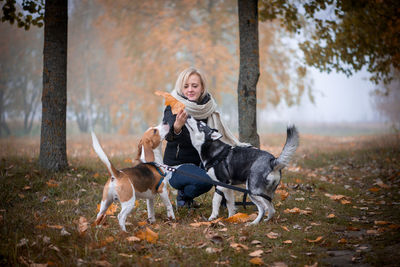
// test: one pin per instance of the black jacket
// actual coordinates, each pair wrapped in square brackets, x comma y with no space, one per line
[179,148]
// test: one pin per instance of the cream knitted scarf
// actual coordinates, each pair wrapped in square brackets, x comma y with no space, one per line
[208,111]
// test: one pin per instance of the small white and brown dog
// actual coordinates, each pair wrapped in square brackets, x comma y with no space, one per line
[141,181]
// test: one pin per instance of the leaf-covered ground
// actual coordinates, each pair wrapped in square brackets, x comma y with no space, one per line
[338,204]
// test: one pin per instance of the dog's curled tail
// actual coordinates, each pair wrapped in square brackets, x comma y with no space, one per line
[103,156]
[292,142]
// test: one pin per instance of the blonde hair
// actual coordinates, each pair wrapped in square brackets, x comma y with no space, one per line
[184,76]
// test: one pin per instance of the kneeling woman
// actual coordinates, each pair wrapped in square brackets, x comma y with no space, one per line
[190,89]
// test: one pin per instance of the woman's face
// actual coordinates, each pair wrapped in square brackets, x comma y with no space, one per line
[193,89]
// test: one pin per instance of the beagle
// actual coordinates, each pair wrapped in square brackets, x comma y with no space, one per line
[141,181]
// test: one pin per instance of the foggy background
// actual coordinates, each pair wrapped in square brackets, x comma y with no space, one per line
[121,52]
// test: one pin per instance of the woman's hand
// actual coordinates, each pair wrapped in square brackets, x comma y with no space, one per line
[180,121]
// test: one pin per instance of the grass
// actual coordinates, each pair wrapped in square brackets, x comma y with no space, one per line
[37,207]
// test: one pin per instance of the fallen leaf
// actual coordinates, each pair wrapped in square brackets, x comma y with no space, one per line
[239,246]
[211,250]
[372,232]
[52,183]
[102,263]
[59,227]
[279,264]
[125,255]
[381,184]
[282,193]
[315,240]
[330,216]
[83,225]
[394,226]
[381,222]
[147,235]
[342,241]
[142,223]
[256,253]
[344,201]
[314,265]
[111,209]
[297,210]
[198,224]
[27,187]
[61,202]
[227,262]
[176,106]
[255,242]
[374,189]
[238,218]
[288,242]
[272,235]
[133,239]
[285,228]
[256,261]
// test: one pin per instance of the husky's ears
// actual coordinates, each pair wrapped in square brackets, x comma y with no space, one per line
[215,136]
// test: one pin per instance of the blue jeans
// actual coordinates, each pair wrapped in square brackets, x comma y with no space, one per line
[190,187]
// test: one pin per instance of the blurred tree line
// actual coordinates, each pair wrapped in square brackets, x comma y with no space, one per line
[120,52]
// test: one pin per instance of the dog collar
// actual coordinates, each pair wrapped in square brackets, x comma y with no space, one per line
[159,183]
[157,166]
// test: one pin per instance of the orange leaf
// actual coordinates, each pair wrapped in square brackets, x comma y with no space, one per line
[374,189]
[59,227]
[288,242]
[51,183]
[285,228]
[176,106]
[111,209]
[330,216]
[342,241]
[381,222]
[239,246]
[143,223]
[315,240]
[256,261]
[198,224]
[238,218]
[344,201]
[147,235]
[283,194]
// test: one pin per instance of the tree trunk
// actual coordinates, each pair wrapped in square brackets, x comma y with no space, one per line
[53,155]
[249,71]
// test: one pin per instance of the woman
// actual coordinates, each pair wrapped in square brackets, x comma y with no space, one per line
[191,90]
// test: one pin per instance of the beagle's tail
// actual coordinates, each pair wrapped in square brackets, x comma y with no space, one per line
[292,142]
[103,156]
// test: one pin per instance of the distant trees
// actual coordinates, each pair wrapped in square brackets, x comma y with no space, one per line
[160,39]
[21,76]
[343,35]
[53,154]
[387,100]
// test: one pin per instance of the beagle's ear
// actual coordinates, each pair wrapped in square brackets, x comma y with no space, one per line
[148,150]
[139,151]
